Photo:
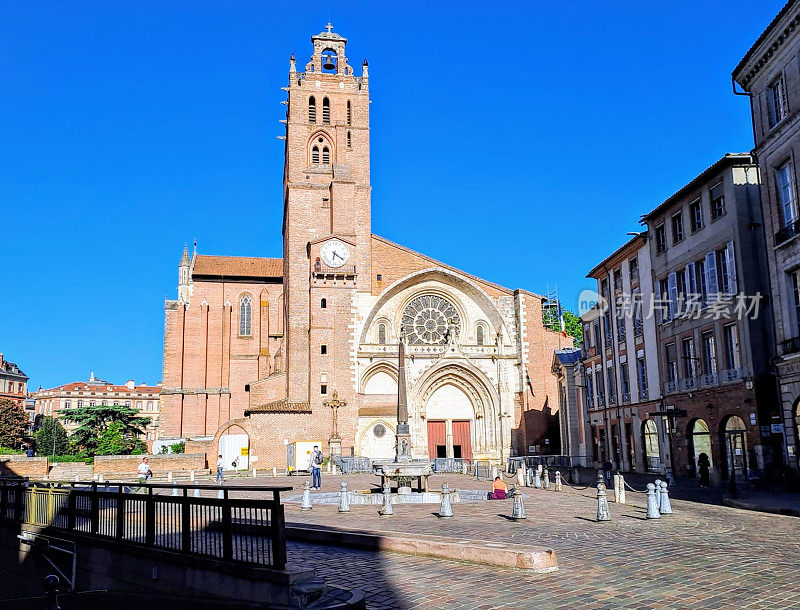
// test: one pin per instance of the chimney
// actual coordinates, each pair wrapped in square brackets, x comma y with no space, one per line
[1,360]
[91,376]
[129,384]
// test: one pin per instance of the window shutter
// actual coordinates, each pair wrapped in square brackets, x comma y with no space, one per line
[712,287]
[691,278]
[730,263]
[672,287]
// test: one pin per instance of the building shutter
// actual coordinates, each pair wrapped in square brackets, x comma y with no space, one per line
[730,264]
[691,278]
[672,287]
[712,287]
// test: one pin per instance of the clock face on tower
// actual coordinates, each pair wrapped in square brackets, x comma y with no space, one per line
[334,253]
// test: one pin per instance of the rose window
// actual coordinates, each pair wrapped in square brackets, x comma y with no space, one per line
[379,430]
[427,318]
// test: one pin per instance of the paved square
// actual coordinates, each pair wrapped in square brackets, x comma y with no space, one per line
[703,556]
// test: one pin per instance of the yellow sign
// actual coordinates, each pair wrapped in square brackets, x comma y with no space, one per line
[245,450]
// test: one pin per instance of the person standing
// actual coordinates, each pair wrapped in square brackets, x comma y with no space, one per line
[315,463]
[143,471]
[220,465]
[704,466]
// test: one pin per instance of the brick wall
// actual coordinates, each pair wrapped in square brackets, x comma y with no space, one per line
[159,464]
[19,465]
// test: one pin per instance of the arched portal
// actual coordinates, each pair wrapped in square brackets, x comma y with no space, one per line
[451,420]
[652,453]
[234,446]
[700,442]
[735,436]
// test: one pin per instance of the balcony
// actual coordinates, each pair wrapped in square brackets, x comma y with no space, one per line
[688,384]
[670,387]
[321,270]
[787,232]
[709,379]
[730,375]
[626,398]
[790,346]
[612,400]
[643,393]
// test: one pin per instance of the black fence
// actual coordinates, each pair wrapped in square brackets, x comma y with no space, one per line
[547,461]
[243,530]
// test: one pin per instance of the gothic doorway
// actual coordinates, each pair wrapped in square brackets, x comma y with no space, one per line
[437,439]
[234,446]
[736,445]
[652,453]
[701,443]
[462,446]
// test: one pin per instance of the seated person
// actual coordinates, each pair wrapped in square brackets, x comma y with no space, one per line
[499,490]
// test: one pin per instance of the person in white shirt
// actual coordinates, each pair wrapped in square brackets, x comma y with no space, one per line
[143,471]
[220,464]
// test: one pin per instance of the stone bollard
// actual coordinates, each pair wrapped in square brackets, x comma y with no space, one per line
[494,472]
[576,476]
[603,514]
[521,476]
[559,485]
[446,508]
[254,472]
[386,509]
[196,492]
[600,478]
[344,499]
[529,477]
[664,506]
[274,471]
[546,479]
[100,478]
[175,490]
[329,466]
[658,492]
[169,477]
[518,511]
[537,479]
[464,468]
[619,488]
[652,507]
[306,503]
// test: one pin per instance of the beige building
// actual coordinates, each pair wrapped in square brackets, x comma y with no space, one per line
[93,391]
[770,75]
[13,382]
[254,348]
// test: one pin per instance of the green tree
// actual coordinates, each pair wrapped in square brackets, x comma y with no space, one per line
[14,424]
[93,422]
[573,326]
[115,441]
[49,429]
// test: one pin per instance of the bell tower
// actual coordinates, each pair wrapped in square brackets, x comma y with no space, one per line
[326,218]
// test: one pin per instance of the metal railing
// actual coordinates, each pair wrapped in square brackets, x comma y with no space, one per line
[790,346]
[451,464]
[321,269]
[483,470]
[787,232]
[547,461]
[242,530]
[353,465]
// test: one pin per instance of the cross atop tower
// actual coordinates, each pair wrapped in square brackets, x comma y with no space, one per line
[329,27]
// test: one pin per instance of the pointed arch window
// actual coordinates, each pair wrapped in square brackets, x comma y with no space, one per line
[326,111]
[315,155]
[349,113]
[479,335]
[326,156]
[382,334]
[323,304]
[245,315]
[312,110]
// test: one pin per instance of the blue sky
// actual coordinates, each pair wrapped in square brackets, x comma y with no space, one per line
[518,141]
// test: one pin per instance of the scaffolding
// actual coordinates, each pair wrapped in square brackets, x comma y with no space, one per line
[550,310]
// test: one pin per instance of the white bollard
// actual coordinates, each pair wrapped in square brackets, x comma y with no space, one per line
[518,510]
[559,484]
[494,472]
[445,508]
[100,478]
[537,479]
[169,477]
[619,488]
[521,476]
[306,503]
[665,508]
[77,478]
[191,475]
[274,471]
[463,468]
[546,479]
[196,492]
[658,492]
[254,472]
[344,499]
[652,507]
[387,510]
[603,514]
[329,466]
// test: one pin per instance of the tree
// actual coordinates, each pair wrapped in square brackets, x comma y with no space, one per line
[114,441]
[14,424]
[95,422]
[573,326]
[50,428]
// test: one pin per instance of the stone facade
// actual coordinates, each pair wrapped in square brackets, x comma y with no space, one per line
[770,75]
[13,382]
[254,348]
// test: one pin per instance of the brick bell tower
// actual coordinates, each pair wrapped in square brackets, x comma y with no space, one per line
[326,228]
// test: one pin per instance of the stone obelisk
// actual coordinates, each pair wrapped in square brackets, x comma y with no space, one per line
[403,436]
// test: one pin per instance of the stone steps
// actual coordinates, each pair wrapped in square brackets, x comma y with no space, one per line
[68,471]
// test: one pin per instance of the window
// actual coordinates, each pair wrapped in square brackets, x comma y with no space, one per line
[611,386]
[479,335]
[91,403]
[597,334]
[326,156]
[776,101]
[677,227]
[349,119]
[323,303]
[700,273]
[379,277]
[67,404]
[680,281]
[796,293]
[601,395]
[312,110]
[80,404]
[625,381]
[326,111]
[116,403]
[589,390]
[638,321]
[323,349]
[709,352]
[711,286]
[382,334]
[717,198]
[127,403]
[326,202]
[139,404]
[661,239]
[349,141]
[731,334]
[641,373]
[245,311]
[323,389]
[672,362]
[315,155]
[604,288]
[688,358]
[633,265]
[620,314]
[783,178]
[726,270]
[149,405]
[696,215]
[617,280]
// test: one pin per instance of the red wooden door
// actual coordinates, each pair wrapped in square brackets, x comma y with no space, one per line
[461,436]
[437,435]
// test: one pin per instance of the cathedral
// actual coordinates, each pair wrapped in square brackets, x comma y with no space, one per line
[260,353]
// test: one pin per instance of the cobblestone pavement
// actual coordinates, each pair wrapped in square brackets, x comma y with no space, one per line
[704,556]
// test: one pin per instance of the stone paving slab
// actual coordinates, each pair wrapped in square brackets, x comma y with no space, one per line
[704,556]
